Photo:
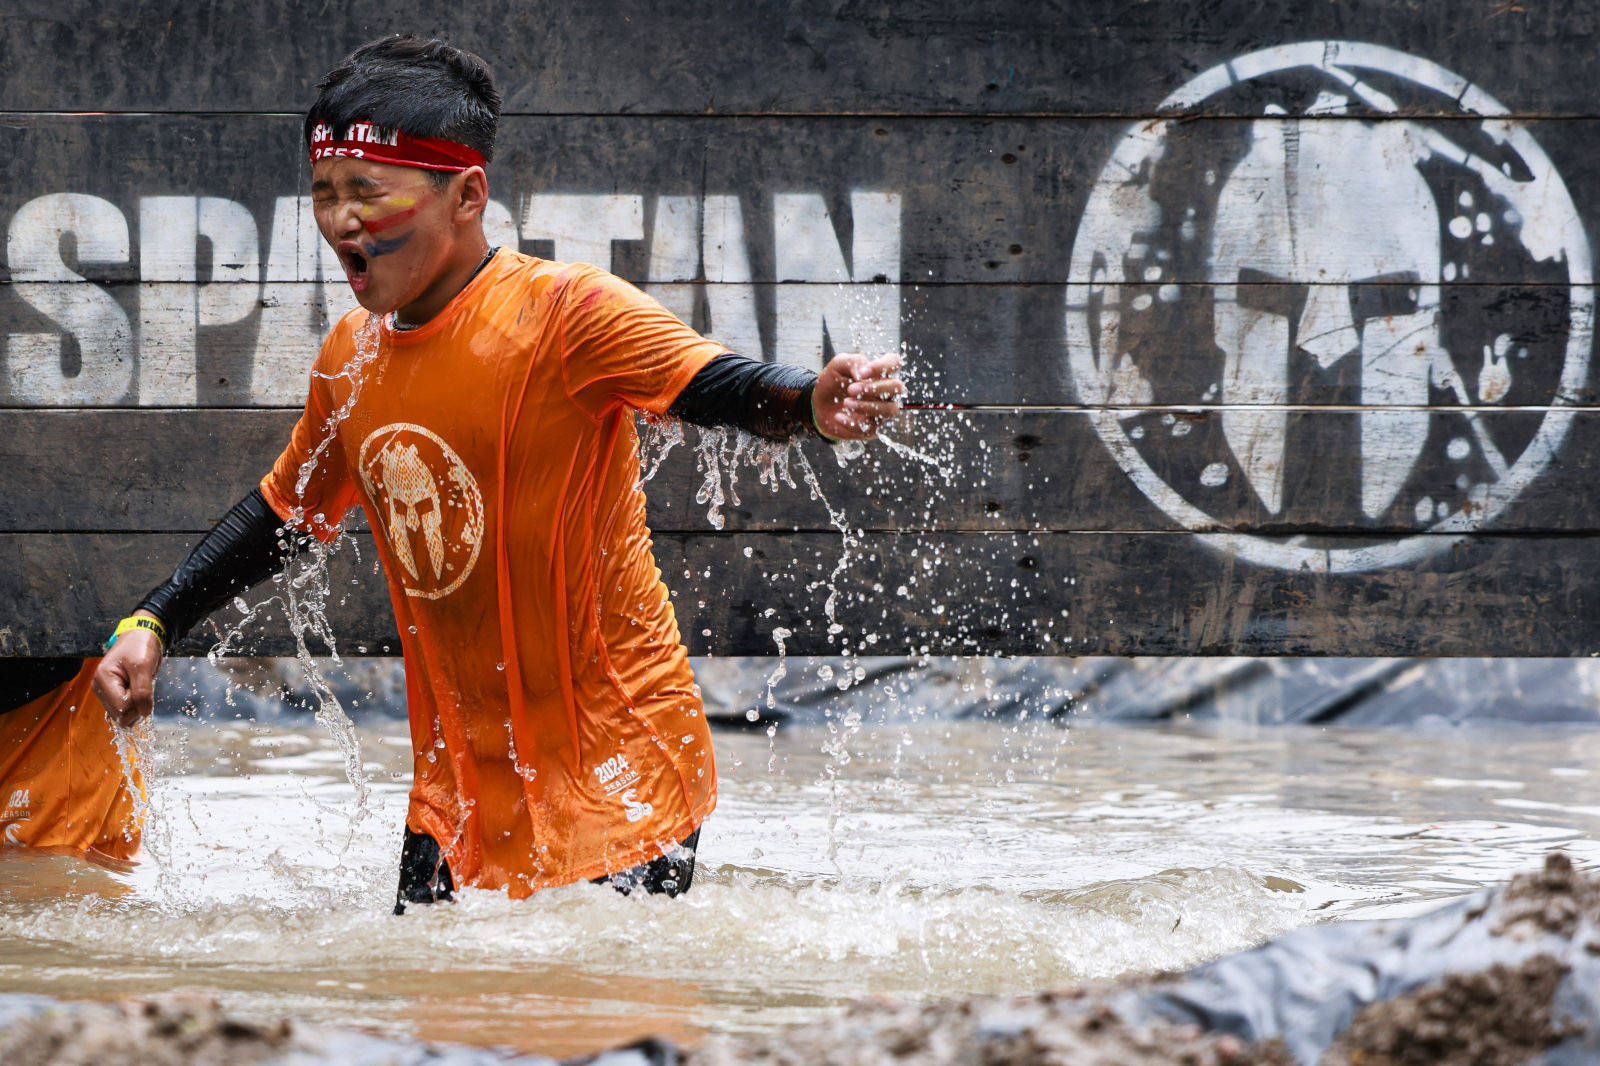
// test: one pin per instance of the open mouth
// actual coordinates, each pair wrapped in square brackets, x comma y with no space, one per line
[357,269]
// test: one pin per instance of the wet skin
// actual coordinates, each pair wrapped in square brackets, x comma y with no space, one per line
[407,245]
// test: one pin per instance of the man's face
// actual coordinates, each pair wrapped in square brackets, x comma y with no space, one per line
[390,225]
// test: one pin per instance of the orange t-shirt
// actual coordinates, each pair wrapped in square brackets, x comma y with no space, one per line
[557,731]
[61,779]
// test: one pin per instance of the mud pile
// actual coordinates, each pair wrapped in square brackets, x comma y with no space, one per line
[1046,1030]
[186,1030]
[191,1030]
[1499,1017]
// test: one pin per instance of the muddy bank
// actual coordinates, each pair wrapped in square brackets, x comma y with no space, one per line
[1503,977]
[192,1030]
[1499,1017]
[1049,1030]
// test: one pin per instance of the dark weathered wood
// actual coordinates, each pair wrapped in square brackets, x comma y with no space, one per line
[47,579]
[992,345]
[1045,593]
[178,471]
[1091,56]
[982,199]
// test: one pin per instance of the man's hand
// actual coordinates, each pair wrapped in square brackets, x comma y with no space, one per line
[126,678]
[855,395]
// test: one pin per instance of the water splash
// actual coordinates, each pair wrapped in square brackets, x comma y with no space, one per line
[658,435]
[899,448]
[849,537]
[780,637]
[129,742]
[308,589]
[708,459]
[305,587]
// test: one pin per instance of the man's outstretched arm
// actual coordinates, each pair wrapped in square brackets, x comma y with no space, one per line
[246,547]
[849,400]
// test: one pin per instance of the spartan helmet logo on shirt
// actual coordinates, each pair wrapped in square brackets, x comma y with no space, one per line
[413,503]
[1308,316]
[429,505]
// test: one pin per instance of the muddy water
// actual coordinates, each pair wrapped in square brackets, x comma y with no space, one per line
[914,860]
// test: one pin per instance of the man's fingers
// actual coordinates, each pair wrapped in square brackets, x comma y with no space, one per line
[882,367]
[141,692]
[111,685]
[876,389]
[865,412]
[850,365]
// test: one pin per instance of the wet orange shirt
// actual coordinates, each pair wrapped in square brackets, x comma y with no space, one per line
[61,779]
[557,730]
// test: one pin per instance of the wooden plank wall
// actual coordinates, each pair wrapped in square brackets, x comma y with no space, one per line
[1234,328]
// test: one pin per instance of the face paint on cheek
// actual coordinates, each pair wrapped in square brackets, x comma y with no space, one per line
[377,246]
[380,247]
[376,226]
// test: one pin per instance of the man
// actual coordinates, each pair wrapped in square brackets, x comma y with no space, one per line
[62,781]
[479,407]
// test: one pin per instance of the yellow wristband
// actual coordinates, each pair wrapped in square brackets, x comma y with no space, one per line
[139,622]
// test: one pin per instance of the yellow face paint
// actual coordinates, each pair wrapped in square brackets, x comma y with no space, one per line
[390,204]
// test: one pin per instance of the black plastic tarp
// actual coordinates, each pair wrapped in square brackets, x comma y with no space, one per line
[1317,691]
[1365,692]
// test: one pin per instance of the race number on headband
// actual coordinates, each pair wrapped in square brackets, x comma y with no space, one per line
[363,140]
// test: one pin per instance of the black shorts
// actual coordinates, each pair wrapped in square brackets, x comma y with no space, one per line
[425,876]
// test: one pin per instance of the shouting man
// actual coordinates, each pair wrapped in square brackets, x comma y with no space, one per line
[479,407]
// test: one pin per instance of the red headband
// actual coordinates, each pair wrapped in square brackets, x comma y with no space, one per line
[363,140]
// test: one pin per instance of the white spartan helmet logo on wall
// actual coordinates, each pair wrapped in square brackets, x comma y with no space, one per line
[1339,260]
[1343,203]
[428,504]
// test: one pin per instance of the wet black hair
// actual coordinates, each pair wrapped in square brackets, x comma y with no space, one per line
[422,87]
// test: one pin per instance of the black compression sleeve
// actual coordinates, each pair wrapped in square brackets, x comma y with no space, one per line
[767,399]
[248,546]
